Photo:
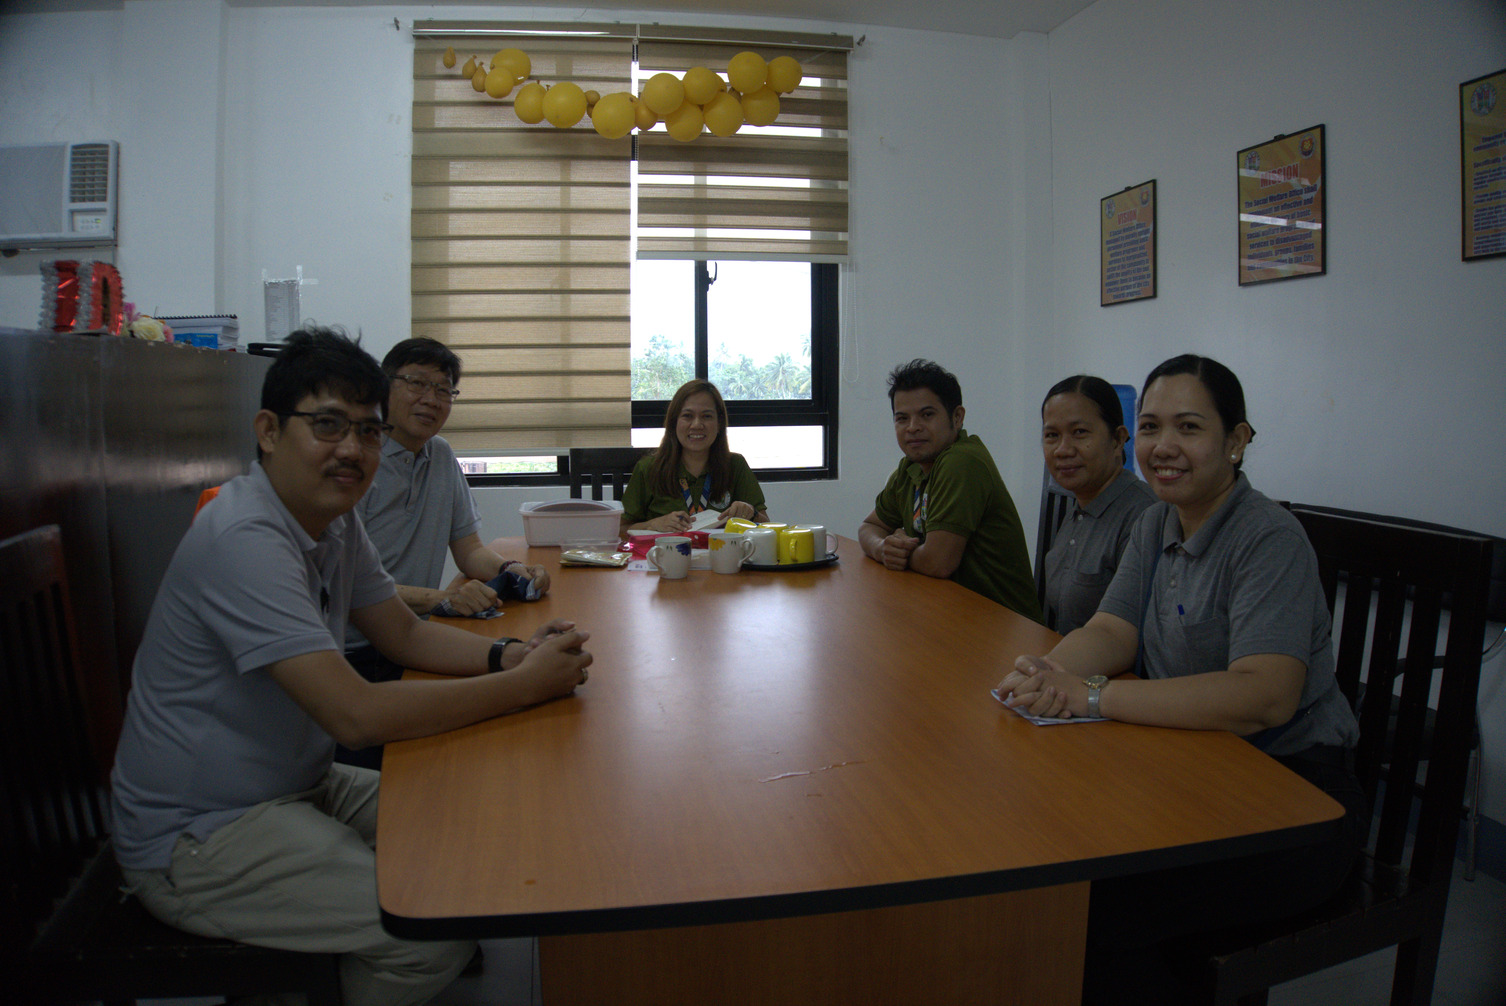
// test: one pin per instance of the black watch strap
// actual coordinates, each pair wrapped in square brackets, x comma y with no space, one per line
[494,655]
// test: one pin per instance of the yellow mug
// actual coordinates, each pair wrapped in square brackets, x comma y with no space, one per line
[796,544]
[737,525]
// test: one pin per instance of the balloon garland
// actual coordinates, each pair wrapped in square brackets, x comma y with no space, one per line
[688,105]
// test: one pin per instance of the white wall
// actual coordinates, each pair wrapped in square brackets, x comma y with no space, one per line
[262,138]
[1376,387]
[1369,387]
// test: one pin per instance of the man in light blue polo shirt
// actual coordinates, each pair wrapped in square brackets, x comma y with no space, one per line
[230,818]
[419,506]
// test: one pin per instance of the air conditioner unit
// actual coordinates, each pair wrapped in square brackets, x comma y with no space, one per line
[58,195]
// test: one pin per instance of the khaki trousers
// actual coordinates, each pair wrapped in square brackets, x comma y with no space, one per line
[299,873]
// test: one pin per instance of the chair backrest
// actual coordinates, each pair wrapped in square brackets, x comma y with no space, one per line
[1495,604]
[1056,503]
[54,818]
[205,497]
[1395,578]
[601,467]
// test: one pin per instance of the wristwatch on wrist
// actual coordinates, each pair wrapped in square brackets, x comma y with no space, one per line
[1095,689]
[494,655]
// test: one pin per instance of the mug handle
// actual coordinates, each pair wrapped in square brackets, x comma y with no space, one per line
[653,557]
[745,544]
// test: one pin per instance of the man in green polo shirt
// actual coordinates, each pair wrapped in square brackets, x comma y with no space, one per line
[945,512]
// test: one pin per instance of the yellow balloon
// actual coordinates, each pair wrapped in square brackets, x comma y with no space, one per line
[664,93]
[724,114]
[500,82]
[478,78]
[761,107]
[516,61]
[701,85]
[449,58]
[529,103]
[747,71]
[613,115]
[564,104]
[592,97]
[643,116]
[685,123]
[469,69]
[785,74]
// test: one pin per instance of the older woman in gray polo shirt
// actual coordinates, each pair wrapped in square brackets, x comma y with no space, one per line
[1217,604]
[1083,437]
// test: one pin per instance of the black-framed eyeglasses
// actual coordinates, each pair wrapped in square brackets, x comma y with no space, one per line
[417,385]
[332,427]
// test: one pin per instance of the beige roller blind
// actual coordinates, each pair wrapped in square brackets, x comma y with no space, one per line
[773,192]
[521,245]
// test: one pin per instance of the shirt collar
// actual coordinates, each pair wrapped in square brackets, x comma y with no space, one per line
[917,474]
[332,535]
[391,449]
[1108,494]
[1171,528]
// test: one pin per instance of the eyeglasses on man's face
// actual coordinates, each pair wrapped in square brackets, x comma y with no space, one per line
[417,387]
[332,427]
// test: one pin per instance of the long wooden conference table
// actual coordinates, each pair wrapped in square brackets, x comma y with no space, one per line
[795,787]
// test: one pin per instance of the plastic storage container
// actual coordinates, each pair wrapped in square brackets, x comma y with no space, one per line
[208,331]
[557,521]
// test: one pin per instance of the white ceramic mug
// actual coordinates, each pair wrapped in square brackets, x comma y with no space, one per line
[670,555]
[765,545]
[729,550]
[818,534]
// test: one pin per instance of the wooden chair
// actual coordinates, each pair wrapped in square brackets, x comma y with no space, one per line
[1056,504]
[67,932]
[1399,889]
[600,467]
[1495,611]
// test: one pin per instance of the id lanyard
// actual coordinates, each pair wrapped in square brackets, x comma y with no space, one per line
[691,506]
[918,511]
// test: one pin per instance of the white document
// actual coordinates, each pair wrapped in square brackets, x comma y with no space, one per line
[281,302]
[1044,721]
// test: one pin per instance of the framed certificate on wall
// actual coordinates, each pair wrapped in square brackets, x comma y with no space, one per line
[1281,208]
[1482,163]
[1127,245]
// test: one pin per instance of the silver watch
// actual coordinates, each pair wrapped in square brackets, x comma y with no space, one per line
[1095,690]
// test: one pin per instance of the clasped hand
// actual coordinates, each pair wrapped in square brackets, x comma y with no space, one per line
[556,651]
[894,550]
[1042,687]
[468,597]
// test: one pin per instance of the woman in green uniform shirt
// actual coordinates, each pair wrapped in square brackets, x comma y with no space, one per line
[692,470]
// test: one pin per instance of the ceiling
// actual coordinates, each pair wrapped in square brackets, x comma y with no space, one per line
[989,18]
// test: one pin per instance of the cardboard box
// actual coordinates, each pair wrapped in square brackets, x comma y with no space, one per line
[555,522]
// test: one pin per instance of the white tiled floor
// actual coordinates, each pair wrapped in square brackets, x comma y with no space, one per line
[1471,964]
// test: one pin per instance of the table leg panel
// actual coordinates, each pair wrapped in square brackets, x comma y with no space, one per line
[956,951]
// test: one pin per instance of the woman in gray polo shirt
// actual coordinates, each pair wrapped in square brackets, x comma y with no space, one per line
[1217,605]
[1083,437]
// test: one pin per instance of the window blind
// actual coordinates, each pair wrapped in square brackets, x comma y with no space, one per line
[772,192]
[521,247]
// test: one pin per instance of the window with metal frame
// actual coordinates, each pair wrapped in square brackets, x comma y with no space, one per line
[522,234]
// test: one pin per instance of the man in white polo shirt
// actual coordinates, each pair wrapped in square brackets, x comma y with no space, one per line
[230,818]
